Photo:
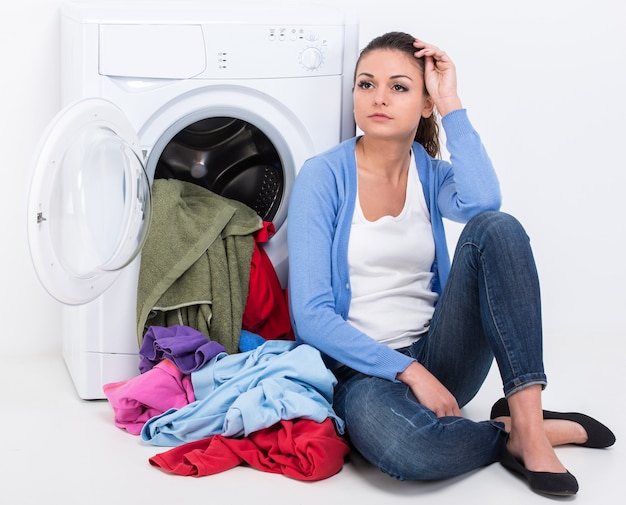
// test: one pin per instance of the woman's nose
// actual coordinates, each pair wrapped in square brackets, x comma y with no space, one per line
[380,97]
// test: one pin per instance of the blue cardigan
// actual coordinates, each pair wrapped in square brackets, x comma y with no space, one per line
[319,219]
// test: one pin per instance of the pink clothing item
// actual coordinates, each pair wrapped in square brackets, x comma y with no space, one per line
[140,398]
[301,449]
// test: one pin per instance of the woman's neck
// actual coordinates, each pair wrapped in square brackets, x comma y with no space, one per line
[384,159]
[382,173]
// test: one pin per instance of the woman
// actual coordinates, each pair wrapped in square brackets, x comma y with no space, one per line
[409,336]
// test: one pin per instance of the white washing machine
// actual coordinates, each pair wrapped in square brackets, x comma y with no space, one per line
[232,97]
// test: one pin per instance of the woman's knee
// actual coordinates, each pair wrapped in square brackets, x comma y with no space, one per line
[392,430]
[404,439]
[405,456]
[494,226]
[427,454]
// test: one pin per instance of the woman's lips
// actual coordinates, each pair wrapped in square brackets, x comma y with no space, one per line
[379,117]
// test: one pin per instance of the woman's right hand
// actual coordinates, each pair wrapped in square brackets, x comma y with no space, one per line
[429,391]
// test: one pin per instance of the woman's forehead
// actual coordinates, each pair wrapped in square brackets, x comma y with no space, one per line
[387,63]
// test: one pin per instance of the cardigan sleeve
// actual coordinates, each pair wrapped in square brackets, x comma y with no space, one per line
[470,185]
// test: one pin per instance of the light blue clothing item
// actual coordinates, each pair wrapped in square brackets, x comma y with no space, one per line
[320,212]
[238,394]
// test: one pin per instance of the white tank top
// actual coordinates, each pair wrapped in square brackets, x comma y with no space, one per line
[390,261]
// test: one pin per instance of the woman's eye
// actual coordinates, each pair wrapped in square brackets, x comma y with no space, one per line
[399,87]
[364,84]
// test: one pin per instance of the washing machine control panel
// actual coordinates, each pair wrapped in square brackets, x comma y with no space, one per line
[220,51]
[291,50]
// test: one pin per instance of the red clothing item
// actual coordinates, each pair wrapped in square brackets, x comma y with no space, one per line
[300,449]
[266,312]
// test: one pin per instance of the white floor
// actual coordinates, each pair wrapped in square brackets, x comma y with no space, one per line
[60,449]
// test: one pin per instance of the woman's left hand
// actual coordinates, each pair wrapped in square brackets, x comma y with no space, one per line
[439,77]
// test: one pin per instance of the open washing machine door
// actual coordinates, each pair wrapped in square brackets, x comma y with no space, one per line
[89,205]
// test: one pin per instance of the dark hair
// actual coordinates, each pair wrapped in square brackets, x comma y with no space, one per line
[428,129]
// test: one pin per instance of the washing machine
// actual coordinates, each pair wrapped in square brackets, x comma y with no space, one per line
[233,96]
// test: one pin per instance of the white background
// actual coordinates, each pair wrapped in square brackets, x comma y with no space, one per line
[544,84]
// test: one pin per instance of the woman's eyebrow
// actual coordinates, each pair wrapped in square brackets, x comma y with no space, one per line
[398,76]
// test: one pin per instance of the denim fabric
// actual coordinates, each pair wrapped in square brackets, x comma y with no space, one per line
[490,307]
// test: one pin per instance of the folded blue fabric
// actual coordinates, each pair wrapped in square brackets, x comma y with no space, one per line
[249,341]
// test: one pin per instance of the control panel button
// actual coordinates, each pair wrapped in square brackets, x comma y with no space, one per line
[311,58]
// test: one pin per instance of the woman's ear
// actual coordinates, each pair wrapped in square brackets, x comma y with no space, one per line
[429,107]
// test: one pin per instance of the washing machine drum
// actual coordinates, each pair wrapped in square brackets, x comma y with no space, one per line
[230,157]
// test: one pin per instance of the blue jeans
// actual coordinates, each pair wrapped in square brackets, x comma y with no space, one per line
[489,307]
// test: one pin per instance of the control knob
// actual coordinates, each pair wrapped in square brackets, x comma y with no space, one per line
[311,58]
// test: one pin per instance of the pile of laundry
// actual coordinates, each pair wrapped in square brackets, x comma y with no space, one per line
[269,407]
[221,379]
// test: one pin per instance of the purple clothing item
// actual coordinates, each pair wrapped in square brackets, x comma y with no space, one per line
[185,346]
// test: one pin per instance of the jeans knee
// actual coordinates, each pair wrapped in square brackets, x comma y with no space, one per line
[423,459]
[495,226]
[415,469]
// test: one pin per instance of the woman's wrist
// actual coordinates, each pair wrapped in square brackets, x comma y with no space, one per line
[410,375]
[448,105]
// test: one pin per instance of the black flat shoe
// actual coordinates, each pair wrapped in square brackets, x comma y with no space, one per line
[557,484]
[598,435]
[500,409]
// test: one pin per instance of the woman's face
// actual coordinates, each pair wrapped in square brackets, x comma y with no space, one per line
[389,95]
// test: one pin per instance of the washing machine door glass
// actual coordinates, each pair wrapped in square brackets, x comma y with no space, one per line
[89,203]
